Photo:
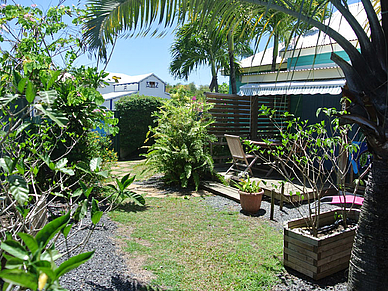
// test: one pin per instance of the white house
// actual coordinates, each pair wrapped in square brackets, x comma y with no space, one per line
[123,85]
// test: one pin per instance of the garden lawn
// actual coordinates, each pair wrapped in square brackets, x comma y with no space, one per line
[191,246]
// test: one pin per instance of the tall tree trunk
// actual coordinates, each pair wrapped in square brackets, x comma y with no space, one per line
[214,82]
[232,73]
[275,50]
[368,268]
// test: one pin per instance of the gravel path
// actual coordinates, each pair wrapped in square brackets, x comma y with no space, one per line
[107,270]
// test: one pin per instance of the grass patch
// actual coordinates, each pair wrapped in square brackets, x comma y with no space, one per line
[191,246]
[138,168]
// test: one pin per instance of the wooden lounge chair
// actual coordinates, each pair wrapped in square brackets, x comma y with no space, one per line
[240,158]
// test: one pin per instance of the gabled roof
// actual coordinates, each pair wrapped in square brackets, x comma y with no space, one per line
[123,78]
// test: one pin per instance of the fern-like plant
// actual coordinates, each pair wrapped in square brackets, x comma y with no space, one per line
[181,138]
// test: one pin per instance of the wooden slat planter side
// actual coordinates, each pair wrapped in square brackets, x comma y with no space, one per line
[318,257]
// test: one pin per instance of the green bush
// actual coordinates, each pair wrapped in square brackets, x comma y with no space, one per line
[180,150]
[135,118]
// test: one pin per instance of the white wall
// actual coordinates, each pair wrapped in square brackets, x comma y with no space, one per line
[145,87]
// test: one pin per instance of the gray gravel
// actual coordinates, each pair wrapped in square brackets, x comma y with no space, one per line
[107,269]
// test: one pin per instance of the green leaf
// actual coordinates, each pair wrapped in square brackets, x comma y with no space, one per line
[61,166]
[104,174]
[29,241]
[95,164]
[15,249]
[138,198]
[18,188]
[125,178]
[19,277]
[53,79]
[61,163]
[88,191]
[84,209]
[14,263]
[96,217]
[30,92]
[21,168]
[67,229]
[72,263]
[23,211]
[22,85]
[50,229]
[11,163]
[48,97]
[77,192]
[128,182]
[58,118]
[96,214]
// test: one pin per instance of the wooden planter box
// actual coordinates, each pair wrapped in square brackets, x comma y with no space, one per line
[318,257]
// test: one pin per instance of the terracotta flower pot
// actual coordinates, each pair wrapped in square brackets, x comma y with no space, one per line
[251,202]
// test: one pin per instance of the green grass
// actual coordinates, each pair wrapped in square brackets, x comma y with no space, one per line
[190,246]
[137,168]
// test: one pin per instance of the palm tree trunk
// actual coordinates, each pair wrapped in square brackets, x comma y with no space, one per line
[214,82]
[232,73]
[368,268]
[275,50]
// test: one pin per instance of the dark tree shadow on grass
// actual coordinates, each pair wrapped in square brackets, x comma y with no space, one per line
[122,283]
[132,207]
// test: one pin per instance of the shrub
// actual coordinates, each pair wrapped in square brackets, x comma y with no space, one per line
[180,150]
[135,118]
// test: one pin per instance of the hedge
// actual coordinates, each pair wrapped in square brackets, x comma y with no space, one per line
[135,113]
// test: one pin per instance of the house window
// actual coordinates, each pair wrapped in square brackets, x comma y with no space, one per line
[152,85]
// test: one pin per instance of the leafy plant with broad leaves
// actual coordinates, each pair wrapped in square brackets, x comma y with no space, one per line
[45,118]
[247,185]
[181,143]
[121,192]
[31,264]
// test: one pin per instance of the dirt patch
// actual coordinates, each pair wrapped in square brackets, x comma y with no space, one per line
[135,263]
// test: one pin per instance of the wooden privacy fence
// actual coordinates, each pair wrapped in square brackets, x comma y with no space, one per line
[239,115]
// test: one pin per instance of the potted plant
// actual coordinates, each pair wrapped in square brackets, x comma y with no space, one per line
[313,157]
[250,195]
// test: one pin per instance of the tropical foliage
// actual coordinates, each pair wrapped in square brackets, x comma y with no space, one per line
[366,89]
[180,150]
[48,109]
[199,44]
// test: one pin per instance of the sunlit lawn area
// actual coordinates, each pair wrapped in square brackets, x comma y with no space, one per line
[191,246]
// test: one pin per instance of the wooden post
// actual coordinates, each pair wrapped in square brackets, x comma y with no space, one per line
[281,198]
[254,113]
[272,204]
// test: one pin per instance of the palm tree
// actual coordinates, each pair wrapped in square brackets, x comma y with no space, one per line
[194,46]
[367,92]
